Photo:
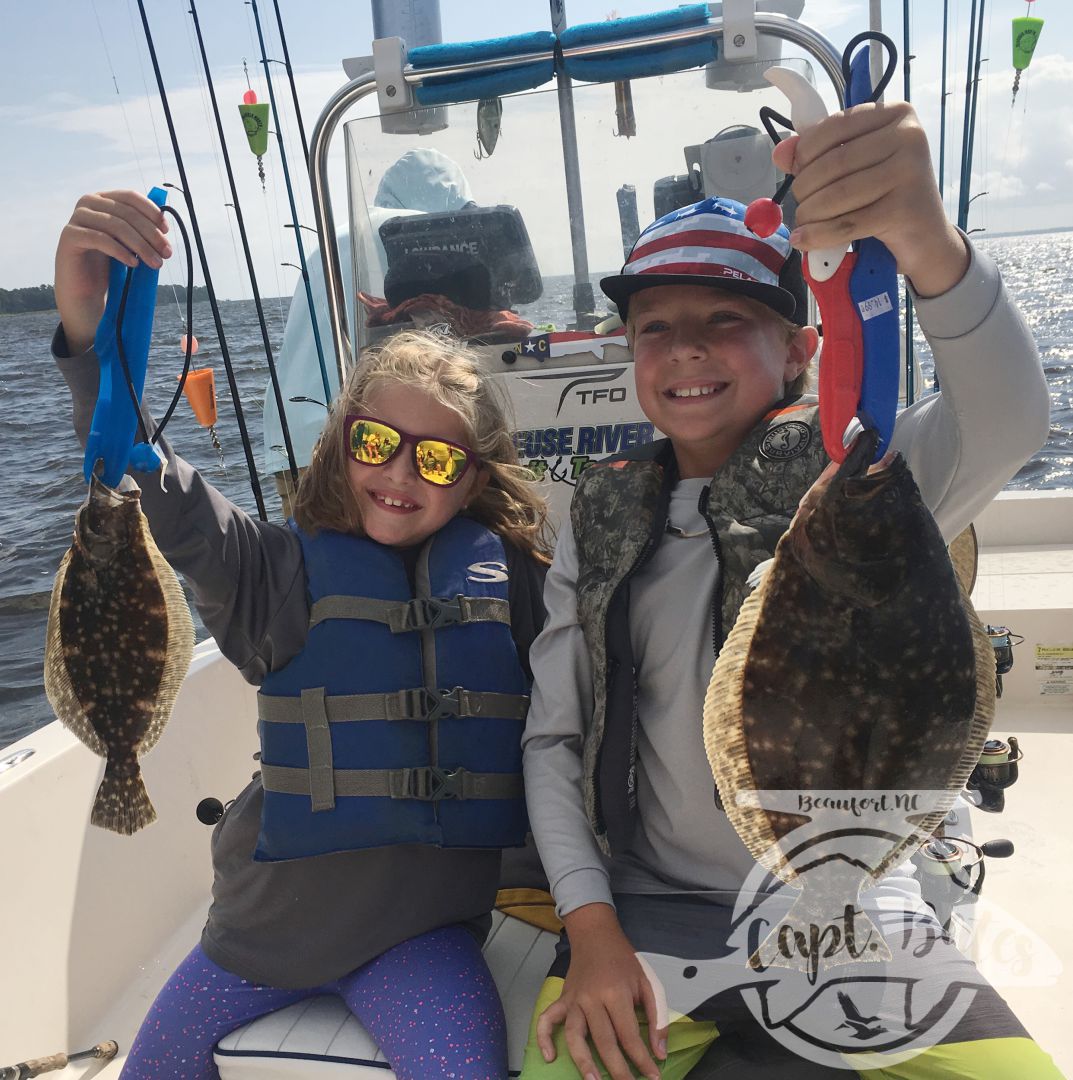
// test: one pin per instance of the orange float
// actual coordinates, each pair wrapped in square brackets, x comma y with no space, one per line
[200,391]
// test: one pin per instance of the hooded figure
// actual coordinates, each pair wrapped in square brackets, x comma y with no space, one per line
[420,182]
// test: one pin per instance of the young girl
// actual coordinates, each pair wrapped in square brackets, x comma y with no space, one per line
[649,576]
[388,629]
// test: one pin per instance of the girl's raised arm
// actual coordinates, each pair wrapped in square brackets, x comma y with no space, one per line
[119,224]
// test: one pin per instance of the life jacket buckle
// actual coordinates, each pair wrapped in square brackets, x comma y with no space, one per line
[429,783]
[430,613]
[440,703]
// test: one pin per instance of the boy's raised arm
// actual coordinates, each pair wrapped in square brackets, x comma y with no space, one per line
[868,172]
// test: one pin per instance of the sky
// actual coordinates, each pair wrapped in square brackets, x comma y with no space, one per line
[79,112]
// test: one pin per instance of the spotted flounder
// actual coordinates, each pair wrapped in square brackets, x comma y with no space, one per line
[118,645]
[857,667]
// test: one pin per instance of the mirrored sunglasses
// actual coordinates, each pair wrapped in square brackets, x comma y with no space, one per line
[372,442]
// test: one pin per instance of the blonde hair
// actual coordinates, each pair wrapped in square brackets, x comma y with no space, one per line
[802,382]
[449,372]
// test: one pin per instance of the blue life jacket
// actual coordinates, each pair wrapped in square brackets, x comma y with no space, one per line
[400,721]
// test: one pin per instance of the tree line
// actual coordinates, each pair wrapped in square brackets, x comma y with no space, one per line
[43,298]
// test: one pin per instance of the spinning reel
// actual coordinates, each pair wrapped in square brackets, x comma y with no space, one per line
[995,771]
[946,865]
[1002,641]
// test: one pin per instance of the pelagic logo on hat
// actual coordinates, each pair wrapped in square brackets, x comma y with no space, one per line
[707,238]
[708,243]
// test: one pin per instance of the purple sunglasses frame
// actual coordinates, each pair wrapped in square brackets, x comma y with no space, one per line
[404,438]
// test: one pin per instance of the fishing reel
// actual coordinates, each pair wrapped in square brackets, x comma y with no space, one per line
[210,810]
[995,771]
[1002,641]
[946,865]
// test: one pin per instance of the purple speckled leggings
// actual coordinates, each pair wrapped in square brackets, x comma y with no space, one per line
[430,1004]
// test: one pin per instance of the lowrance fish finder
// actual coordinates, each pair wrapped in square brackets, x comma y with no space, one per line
[480,257]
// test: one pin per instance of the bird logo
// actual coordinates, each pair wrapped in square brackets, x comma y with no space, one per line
[861,1026]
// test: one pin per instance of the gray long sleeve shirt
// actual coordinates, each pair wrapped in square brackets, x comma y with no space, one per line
[304,922]
[988,366]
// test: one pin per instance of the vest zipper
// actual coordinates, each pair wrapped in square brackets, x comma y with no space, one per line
[717,595]
[717,599]
[650,546]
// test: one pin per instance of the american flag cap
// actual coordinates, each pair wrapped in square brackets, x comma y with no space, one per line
[708,243]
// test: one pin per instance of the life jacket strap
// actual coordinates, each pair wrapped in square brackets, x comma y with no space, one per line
[422,613]
[427,783]
[414,704]
[318,749]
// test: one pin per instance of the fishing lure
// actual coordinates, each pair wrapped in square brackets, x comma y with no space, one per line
[489,125]
[1026,31]
[255,123]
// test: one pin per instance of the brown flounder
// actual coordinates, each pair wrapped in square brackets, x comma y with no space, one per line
[118,645]
[858,665]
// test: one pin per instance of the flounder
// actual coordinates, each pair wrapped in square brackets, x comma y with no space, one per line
[117,647]
[857,668]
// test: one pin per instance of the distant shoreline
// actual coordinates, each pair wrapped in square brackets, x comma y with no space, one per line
[32,299]
[1025,232]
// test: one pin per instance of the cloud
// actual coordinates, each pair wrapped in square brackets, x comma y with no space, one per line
[1013,146]
[94,147]
[99,146]
[832,14]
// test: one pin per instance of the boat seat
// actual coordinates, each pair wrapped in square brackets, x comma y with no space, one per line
[319,1039]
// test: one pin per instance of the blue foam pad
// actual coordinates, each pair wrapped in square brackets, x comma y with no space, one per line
[491,84]
[468,52]
[642,63]
[639,63]
[596,33]
[512,80]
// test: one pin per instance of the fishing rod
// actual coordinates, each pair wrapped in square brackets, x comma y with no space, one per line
[967,163]
[962,193]
[943,95]
[104,1051]
[294,209]
[972,82]
[910,387]
[274,378]
[255,482]
[290,77]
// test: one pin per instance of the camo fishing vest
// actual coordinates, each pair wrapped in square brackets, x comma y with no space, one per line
[400,721]
[619,517]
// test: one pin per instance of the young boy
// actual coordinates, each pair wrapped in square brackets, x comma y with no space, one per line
[656,560]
